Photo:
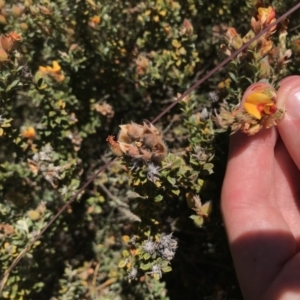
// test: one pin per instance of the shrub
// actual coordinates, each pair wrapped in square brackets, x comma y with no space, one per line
[70,73]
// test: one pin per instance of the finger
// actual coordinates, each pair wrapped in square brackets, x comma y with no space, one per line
[254,225]
[289,127]
[248,183]
[288,191]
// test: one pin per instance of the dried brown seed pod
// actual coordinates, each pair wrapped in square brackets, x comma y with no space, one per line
[159,151]
[150,140]
[150,128]
[129,149]
[142,142]
[133,131]
[145,155]
[114,146]
[122,136]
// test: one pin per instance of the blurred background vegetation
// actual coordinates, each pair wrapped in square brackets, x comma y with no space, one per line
[71,71]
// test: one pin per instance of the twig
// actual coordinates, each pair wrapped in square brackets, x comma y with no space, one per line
[122,207]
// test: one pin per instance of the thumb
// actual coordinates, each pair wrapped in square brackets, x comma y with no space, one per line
[289,128]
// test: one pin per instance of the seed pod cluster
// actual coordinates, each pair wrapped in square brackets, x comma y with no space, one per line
[142,142]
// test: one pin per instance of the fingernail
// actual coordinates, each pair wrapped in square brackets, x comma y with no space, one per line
[293,104]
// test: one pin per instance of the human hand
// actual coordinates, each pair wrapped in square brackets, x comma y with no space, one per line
[260,204]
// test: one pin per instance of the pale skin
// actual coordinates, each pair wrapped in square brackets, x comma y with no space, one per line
[261,210]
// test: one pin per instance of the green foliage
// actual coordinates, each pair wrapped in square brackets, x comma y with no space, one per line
[70,73]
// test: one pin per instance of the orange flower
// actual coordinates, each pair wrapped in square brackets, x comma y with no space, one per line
[54,71]
[142,65]
[266,47]
[187,28]
[234,38]
[8,40]
[258,104]
[3,55]
[296,46]
[29,133]
[95,19]
[266,15]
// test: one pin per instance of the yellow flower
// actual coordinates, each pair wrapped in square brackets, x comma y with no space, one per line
[55,67]
[60,104]
[54,71]
[259,104]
